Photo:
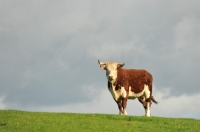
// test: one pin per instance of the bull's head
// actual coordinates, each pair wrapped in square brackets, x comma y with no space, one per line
[111,69]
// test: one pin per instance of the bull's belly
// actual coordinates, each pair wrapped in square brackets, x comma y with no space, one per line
[121,93]
[133,95]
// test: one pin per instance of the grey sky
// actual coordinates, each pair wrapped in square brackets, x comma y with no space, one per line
[49,52]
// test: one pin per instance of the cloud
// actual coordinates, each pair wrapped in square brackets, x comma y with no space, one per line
[113,50]
[184,8]
[184,106]
[187,32]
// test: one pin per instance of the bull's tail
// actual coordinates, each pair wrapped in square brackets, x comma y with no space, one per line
[153,99]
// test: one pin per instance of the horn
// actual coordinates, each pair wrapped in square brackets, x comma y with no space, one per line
[101,63]
[120,65]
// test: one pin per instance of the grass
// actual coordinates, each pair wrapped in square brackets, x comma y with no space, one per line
[20,121]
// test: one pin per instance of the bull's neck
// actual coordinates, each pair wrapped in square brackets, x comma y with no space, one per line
[112,82]
[111,86]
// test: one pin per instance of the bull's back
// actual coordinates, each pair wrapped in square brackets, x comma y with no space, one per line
[136,79]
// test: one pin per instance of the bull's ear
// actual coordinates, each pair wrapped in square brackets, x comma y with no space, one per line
[120,65]
[103,66]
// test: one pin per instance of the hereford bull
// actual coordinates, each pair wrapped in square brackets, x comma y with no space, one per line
[126,84]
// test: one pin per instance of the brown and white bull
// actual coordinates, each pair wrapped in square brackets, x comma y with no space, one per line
[126,84]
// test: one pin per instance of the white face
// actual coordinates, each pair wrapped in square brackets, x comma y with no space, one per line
[111,70]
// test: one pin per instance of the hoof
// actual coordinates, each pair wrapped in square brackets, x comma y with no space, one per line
[147,115]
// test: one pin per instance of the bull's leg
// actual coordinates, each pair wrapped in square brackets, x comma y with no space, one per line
[148,102]
[119,103]
[124,103]
[147,108]
[142,101]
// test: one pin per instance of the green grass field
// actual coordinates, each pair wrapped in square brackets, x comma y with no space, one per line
[20,121]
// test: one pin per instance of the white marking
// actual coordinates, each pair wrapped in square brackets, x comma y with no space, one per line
[111,70]
[120,113]
[121,93]
[133,95]
[124,112]
[117,94]
[147,95]
[147,111]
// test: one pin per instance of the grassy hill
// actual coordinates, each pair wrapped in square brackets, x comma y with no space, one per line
[20,121]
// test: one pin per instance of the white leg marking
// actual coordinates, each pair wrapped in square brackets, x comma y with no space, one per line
[147,95]
[125,113]
[147,111]
[120,113]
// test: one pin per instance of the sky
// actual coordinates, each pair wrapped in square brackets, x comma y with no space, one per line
[49,53]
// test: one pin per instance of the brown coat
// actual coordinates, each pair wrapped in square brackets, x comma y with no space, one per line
[134,78]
